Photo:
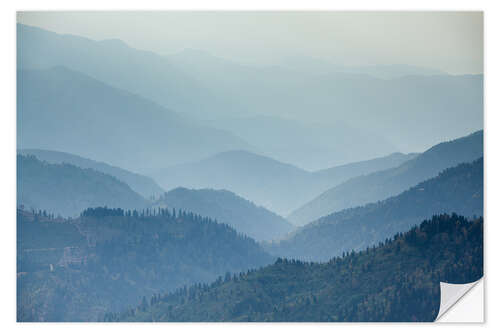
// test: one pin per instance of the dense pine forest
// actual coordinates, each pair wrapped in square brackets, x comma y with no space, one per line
[78,269]
[398,280]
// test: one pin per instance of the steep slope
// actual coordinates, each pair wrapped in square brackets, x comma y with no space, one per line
[226,207]
[278,186]
[383,184]
[143,185]
[106,260]
[59,109]
[458,189]
[396,281]
[66,189]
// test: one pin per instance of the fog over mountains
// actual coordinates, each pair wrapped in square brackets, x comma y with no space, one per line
[364,109]
[110,61]
[308,146]
[383,184]
[320,66]
[163,187]
[277,186]
[143,185]
[364,102]
[67,190]
[60,109]
[458,189]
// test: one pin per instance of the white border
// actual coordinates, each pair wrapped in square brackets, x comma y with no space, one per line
[7,144]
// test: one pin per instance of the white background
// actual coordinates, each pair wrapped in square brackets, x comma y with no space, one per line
[8,167]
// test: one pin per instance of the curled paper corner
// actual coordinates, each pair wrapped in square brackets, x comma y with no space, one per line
[454,299]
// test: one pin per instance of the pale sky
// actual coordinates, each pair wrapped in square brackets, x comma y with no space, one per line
[449,41]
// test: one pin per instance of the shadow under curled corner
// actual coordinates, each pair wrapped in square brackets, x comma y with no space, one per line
[461,302]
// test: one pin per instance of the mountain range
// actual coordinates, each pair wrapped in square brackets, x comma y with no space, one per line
[229,208]
[385,183]
[212,89]
[277,186]
[143,185]
[67,184]
[63,110]
[67,189]
[458,189]
[111,61]
[189,187]
[306,145]
[359,100]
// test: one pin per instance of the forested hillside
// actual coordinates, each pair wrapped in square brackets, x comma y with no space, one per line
[67,190]
[458,189]
[384,184]
[226,207]
[396,281]
[108,259]
[143,185]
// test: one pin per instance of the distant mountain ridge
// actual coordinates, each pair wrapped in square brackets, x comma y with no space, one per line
[208,87]
[334,98]
[323,66]
[68,190]
[277,186]
[306,144]
[255,177]
[60,109]
[113,62]
[383,184]
[226,207]
[458,189]
[143,185]
[347,171]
